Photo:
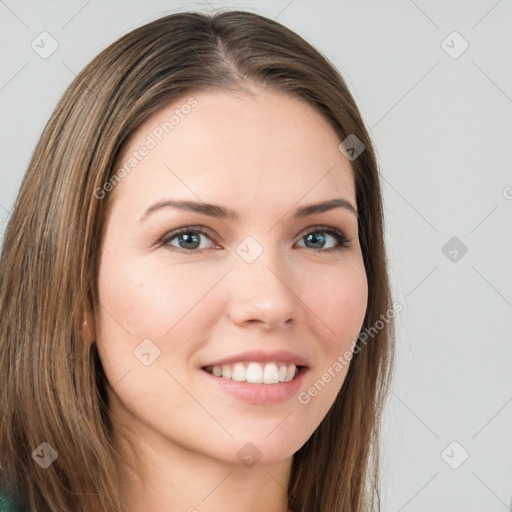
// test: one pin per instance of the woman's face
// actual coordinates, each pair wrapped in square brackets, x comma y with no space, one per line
[264,289]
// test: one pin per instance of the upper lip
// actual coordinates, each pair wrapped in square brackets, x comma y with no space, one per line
[262,356]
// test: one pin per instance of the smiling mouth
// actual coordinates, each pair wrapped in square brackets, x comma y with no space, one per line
[256,373]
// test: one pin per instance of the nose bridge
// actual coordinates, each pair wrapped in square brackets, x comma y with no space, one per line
[260,286]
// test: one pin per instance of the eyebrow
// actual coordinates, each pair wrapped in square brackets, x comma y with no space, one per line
[217,211]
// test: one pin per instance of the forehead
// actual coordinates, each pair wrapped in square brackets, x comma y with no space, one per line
[236,149]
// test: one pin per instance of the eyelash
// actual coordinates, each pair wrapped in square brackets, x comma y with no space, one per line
[342,240]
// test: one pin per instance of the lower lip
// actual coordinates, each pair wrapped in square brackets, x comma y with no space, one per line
[259,394]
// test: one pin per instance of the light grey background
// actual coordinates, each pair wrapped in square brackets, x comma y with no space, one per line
[443,131]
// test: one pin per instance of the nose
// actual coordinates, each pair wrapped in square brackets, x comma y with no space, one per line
[262,292]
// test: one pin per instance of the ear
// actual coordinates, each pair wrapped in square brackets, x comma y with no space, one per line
[88,326]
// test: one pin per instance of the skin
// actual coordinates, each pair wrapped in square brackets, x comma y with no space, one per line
[262,154]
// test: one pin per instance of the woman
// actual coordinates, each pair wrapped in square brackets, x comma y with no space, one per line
[194,255]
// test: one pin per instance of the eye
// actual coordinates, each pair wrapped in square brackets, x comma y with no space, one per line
[188,239]
[325,234]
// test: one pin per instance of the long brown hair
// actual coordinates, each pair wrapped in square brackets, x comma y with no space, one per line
[54,389]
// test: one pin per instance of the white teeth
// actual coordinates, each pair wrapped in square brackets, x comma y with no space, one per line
[226,371]
[270,374]
[282,373]
[290,372]
[255,373]
[239,374]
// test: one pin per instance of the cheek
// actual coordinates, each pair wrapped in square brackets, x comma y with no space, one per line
[154,300]
[340,303]
[340,307]
[150,299]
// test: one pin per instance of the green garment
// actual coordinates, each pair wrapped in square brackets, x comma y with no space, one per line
[6,505]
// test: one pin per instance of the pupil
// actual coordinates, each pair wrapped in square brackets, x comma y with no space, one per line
[315,237]
[188,239]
